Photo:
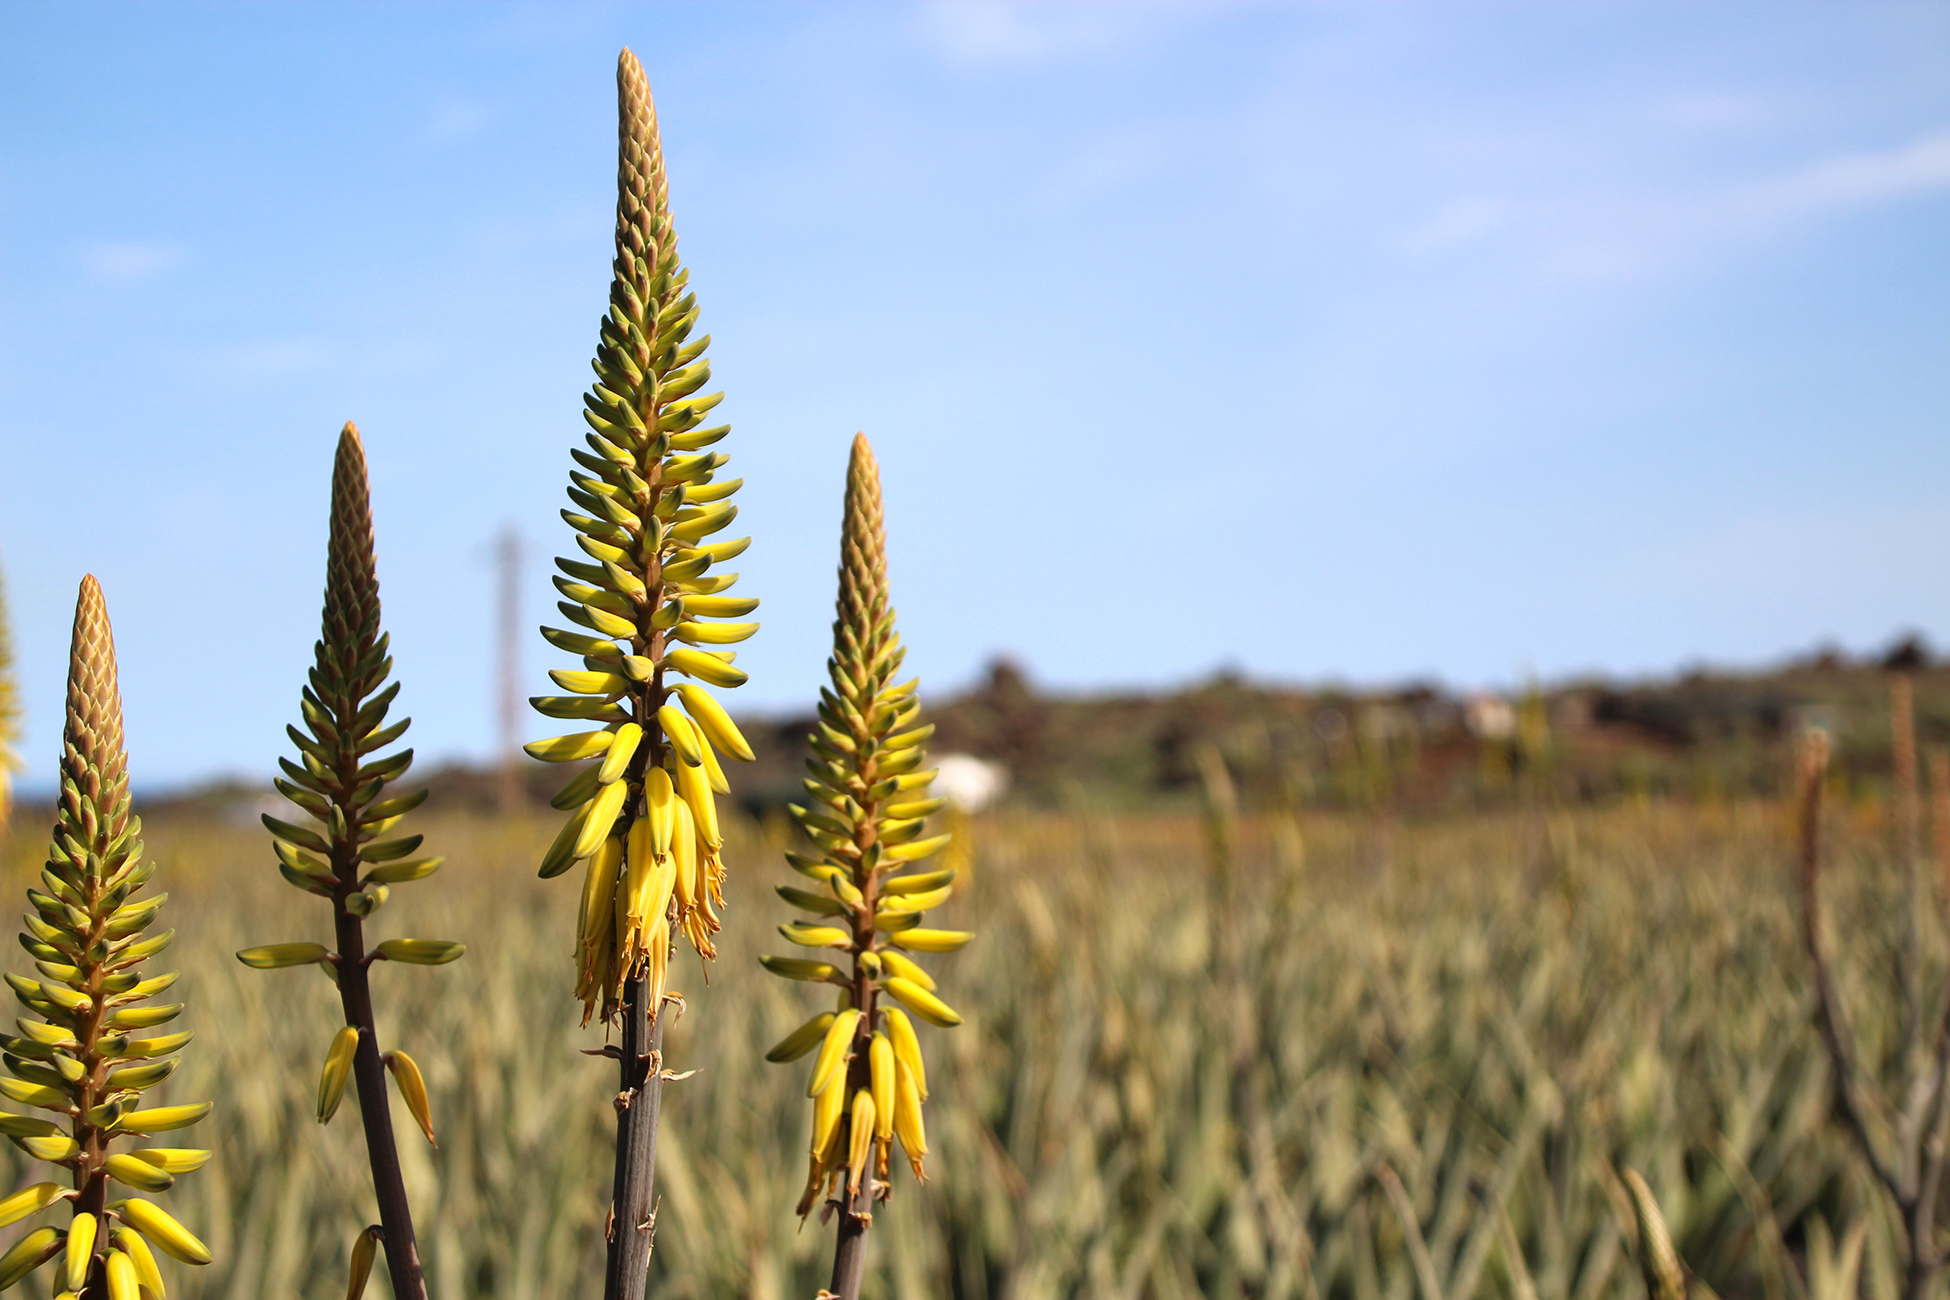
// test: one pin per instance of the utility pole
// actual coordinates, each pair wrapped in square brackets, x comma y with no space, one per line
[507,558]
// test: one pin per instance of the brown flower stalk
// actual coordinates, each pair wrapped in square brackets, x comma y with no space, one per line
[1909,1162]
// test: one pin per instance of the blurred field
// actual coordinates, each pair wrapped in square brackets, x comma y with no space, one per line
[1173,1082]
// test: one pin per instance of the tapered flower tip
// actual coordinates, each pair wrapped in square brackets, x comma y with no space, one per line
[93,734]
[863,539]
[863,462]
[349,470]
[863,480]
[351,582]
[642,191]
[633,93]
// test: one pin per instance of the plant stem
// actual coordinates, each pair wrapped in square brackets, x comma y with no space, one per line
[1902,753]
[638,1101]
[1915,1176]
[640,1089]
[850,1253]
[375,1111]
[90,1181]
[850,1258]
[856,1213]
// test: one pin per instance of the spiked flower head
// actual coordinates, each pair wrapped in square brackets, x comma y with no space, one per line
[86,1051]
[867,816]
[352,855]
[350,858]
[645,496]
[9,715]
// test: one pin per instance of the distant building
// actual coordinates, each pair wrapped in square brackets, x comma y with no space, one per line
[970,783]
[1489,717]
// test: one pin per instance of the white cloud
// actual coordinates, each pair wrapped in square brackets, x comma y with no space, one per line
[1461,221]
[1105,167]
[1598,233]
[1005,32]
[1710,110]
[1859,179]
[454,118]
[1662,233]
[286,358]
[276,358]
[131,261]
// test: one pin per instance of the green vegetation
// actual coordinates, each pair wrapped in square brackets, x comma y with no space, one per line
[1701,735]
[1498,1009]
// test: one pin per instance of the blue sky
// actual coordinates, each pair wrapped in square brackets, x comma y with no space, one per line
[1355,340]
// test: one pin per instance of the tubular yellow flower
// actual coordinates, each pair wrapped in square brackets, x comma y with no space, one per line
[867,816]
[86,935]
[644,502]
[644,497]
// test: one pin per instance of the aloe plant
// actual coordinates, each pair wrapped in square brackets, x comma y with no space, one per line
[83,1053]
[868,817]
[644,811]
[354,857]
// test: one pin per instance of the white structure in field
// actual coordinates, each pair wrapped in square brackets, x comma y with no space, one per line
[970,783]
[1489,717]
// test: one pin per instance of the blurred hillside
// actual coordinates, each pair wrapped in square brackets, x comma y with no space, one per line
[1417,749]
[1703,734]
